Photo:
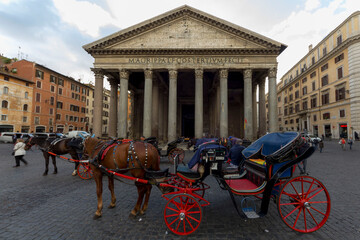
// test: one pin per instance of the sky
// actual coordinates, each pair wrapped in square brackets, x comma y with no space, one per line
[52,32]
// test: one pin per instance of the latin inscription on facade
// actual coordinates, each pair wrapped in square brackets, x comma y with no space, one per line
[220,61]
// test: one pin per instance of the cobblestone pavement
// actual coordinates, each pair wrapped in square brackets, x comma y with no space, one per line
[61,206]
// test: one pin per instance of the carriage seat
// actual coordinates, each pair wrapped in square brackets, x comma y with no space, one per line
[157,176]
[186,173]
[253,181]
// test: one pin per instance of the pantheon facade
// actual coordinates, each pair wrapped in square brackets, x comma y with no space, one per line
[188,74]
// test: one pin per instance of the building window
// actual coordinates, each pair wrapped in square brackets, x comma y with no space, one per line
[339,40]
[36,120]
[25,107]
[339,58]
[326,116]
[285,100]
[342,113]
[60,91]
[313,60]
[279,99]
[38,84]
[3,117]
[290,97]
[324,67]
[313,86]
[314,118]
[52,88]
[61,82]
[324,51]
[59,105]
[291,88]
[313,74]
[286,122]
[51,112]
[6,90]
[291,121]
[304,90]
[26,95]
[291,109]
[38,97]
[58,116]
[340,72]
[37,109]
[285,111]
[305,106]
[52,79]
[24,119]
[304,80]
[325,80]
[297,84]
[50,121]
[39,74]
[340,93]
[4,104]
[325,98]
[297,95]
[313,102]
[297,107]
[52,100]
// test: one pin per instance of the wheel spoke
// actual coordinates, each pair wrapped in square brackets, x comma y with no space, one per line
[313,218]
[324,214]
[196,220]
[297,218]
[292,211]
[187,219]
[305,222]
[177,211]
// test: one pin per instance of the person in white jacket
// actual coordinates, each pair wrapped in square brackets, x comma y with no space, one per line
[19,152]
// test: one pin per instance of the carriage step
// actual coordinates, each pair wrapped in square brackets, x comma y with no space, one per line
[250,213]
[232,176]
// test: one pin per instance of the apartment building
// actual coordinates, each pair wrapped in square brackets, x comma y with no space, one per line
[16,105]
[320,94]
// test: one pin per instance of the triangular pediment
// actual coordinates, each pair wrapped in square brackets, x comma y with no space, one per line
[184,28]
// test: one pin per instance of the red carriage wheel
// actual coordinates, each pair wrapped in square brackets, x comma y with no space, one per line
[182,214]
[84,171]
[304,204]
[174,152]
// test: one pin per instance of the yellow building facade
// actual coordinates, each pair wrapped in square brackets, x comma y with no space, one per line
[320,94]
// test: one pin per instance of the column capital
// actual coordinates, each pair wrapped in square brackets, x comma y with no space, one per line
[124,74]
[173,73]
[272,72]
[224,73]
[148,73]
[199,73]
[98,72]
[112,81]
[247,73]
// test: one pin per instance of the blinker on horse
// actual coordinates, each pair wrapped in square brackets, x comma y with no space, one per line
[138,158]
[56,146]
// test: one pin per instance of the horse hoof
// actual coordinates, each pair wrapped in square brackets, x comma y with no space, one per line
[132,216]
[96,217]
[142,213]
[45,174]
[111,206]
[55,172]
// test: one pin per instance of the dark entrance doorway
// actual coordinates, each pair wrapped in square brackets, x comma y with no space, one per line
[188,120]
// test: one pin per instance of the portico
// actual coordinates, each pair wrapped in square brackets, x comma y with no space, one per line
[189,74]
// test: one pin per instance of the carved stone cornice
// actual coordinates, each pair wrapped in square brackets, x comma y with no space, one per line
[272,72]
[177,14]
[148,73]
[98,72]
[247,51]
[224,73]
[199,73]
[124,74]
[173,74]
[247,73]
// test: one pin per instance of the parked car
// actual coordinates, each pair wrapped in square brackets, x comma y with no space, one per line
[76,134]
[50,135]
[6,137]
[311,138]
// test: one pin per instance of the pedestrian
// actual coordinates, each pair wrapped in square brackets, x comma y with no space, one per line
[321,145]
[315,143]
[323,137]
[342,142]
[350,142]
[19,152]
[14,137]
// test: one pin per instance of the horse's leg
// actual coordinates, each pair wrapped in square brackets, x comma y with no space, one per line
[54,163]
[147,197]
[46,157]
[98,179]
[111,188]
[141,191]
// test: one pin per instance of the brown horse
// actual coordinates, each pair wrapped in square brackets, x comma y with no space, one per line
[135,157]
[56,146]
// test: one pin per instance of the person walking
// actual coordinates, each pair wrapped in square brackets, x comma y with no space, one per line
[19,152]
[342,142]
[321,145]
[350,142]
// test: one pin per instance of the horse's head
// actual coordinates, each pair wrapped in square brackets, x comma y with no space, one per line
[89,144]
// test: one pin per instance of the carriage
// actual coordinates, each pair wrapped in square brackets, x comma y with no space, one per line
[269,172]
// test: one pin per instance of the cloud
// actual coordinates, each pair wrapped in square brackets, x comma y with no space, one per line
[311,5]
[87,17]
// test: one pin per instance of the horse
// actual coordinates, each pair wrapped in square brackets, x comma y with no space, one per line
[56,146]
[134,157]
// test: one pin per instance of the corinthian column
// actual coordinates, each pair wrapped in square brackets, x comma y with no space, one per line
[147,103]
[254,109]
[223,103]
[248,104]
[123,104]
[113,107]
[262,108]
[273,127]
[172,105]
[98,101]
[199,103]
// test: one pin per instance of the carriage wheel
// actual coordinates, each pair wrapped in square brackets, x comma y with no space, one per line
[174,152]
[182,214]
[84,171]
[304,204]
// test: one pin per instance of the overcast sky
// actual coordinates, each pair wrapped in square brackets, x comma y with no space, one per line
[52,32]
